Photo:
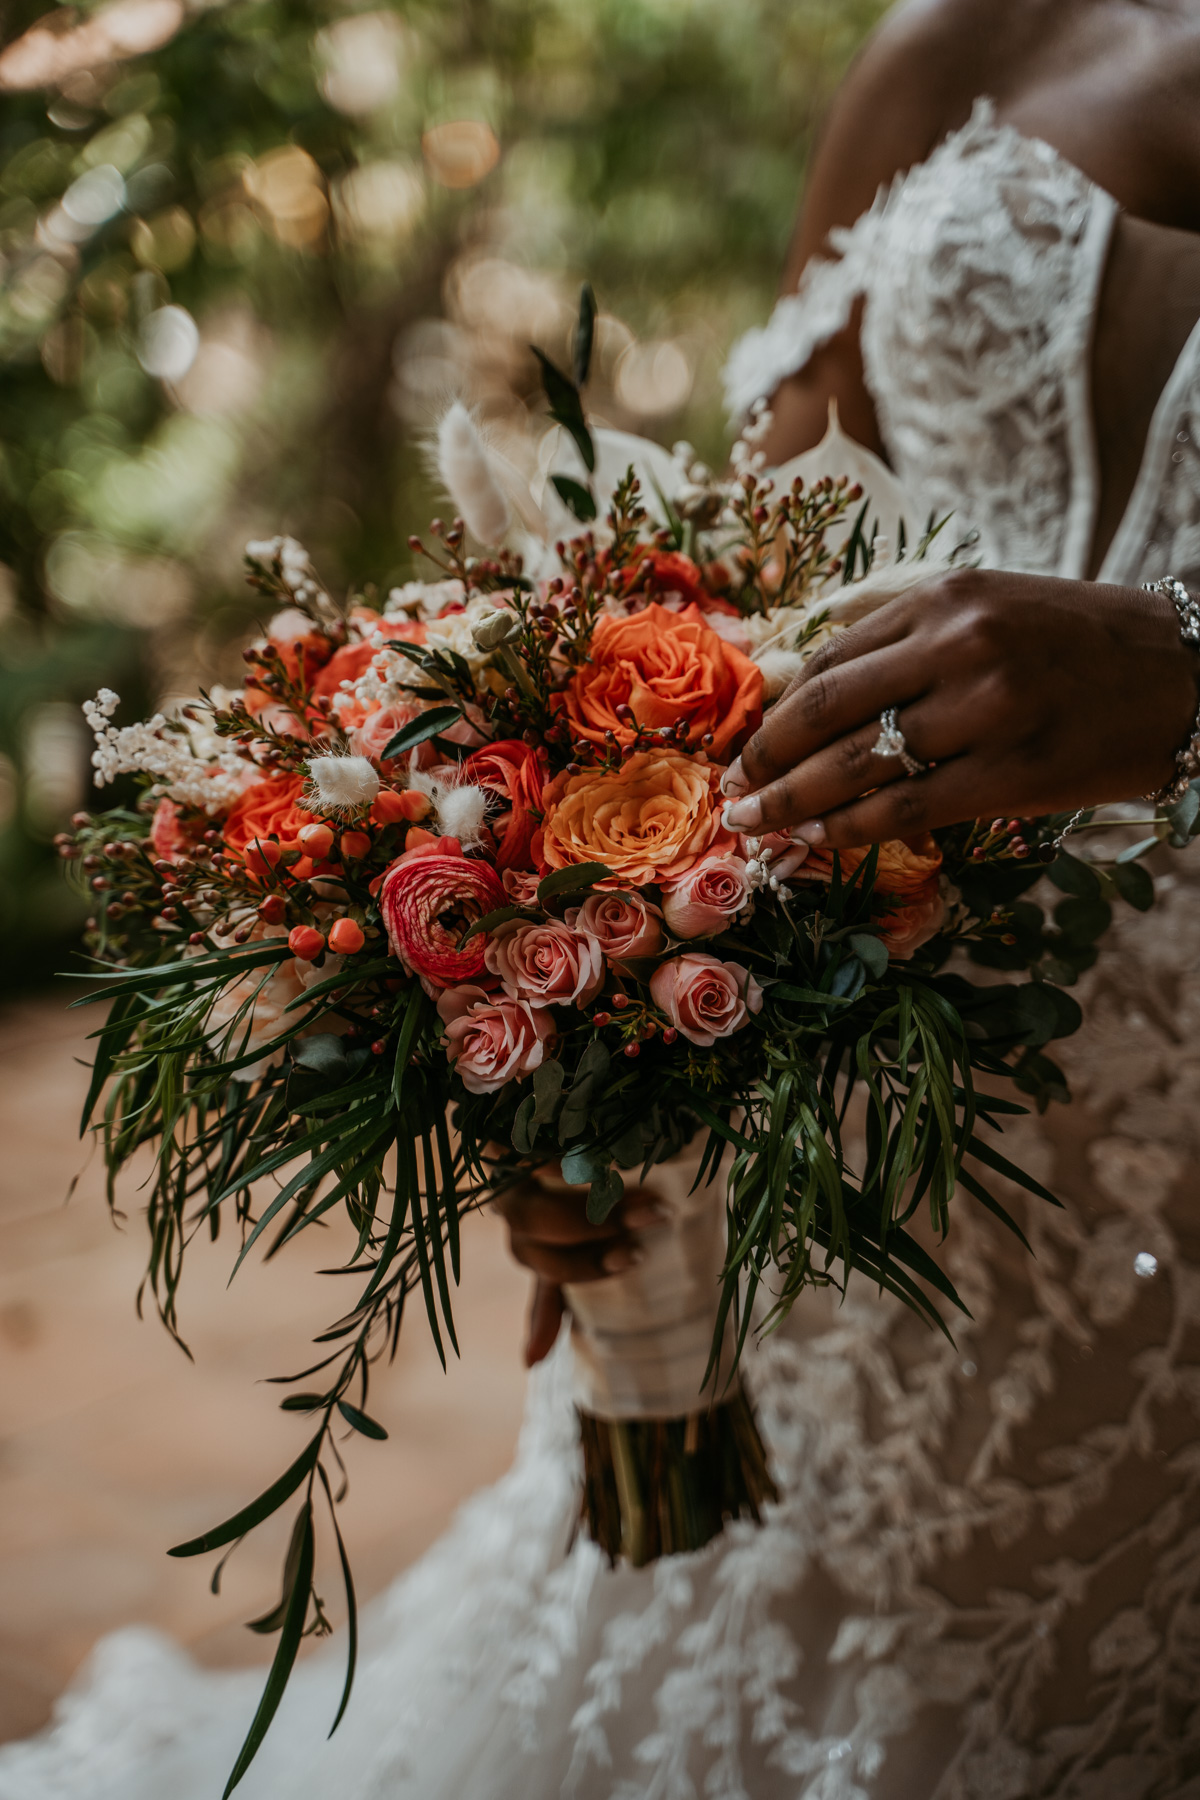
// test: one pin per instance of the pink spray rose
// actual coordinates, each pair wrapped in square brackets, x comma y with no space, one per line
[622,925]
[705,998]
[546,962]
[708,897]
[378,728]
[429,899]
[491,1038]
[521,886]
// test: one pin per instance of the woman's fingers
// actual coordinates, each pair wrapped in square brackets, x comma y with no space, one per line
[954,791]
[561,1218]
[934,729]
[825,705]
[545,1317]
[575,1263]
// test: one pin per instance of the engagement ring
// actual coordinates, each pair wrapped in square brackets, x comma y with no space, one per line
[891,742]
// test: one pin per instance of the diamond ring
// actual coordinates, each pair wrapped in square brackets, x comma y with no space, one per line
[891,742]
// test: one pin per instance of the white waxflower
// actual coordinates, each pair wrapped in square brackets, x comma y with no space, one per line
[425,598]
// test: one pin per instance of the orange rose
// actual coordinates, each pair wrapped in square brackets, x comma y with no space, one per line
[649,821]
[268,809]
[907,876]
[667,667]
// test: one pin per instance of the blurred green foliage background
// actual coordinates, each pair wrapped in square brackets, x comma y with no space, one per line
[249,251]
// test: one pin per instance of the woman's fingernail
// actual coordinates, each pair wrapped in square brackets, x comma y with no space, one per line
[620,1258]
[733,781]
[742,815]
[641,1218]
[812,833]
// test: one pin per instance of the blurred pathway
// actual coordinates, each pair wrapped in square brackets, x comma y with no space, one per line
[113,1446]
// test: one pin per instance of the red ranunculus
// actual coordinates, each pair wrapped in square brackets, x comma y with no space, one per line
[517,773]
[429,898]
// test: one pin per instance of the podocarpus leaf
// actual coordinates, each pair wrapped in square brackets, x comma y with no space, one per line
[360,1420]
[273,1620]
[285,1655]
[351,1605]
[269,1501]
[425,726]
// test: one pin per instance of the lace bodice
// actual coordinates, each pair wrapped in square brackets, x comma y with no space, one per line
[981,270]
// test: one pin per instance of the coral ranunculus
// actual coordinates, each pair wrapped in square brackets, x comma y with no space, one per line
[649,821]
[269,808]
[907,876]
[667,667]
[515,772]
[429,900]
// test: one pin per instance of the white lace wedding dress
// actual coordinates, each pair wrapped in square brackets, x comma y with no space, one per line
[983,1580]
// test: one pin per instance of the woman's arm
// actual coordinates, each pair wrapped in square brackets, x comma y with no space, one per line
[913,81]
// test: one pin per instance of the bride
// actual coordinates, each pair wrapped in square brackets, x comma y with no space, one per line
[983,1579]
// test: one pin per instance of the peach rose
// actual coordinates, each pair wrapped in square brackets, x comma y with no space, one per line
[546,962]
[666,666]
[651,820]
[269,808]
[708,897]
[907,877]
[622,925]
[705,998]
[491,1038]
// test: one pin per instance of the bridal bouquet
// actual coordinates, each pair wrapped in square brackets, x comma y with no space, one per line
[445,892]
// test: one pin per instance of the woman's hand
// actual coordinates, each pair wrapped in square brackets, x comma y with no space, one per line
[550,1234]
[1031,695]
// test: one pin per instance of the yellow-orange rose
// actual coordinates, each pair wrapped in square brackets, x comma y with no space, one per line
[649,821]
[907,876]
[665,667]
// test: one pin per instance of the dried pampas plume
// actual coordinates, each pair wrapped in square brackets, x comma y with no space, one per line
[466,473]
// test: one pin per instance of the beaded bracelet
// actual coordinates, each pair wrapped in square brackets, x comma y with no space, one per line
[1187,760]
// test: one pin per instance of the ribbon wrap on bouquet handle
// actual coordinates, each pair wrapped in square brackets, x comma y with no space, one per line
[642,1339]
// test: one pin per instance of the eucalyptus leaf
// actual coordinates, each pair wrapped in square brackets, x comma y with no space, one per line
[604,1194]
[1074,877]
[870,950]
[1134,884]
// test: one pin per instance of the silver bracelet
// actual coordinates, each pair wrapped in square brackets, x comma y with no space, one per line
[1187,760]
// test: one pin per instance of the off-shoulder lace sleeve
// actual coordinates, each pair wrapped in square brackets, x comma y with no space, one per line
[803,321]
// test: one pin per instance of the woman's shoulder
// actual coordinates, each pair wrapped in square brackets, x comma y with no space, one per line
[915,79]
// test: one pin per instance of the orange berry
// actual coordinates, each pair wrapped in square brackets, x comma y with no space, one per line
[390,807]
[346,937]
[353,845]
[273,909]
[317,841]
[305,942]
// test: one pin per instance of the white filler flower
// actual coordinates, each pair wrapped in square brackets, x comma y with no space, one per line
[342,784]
